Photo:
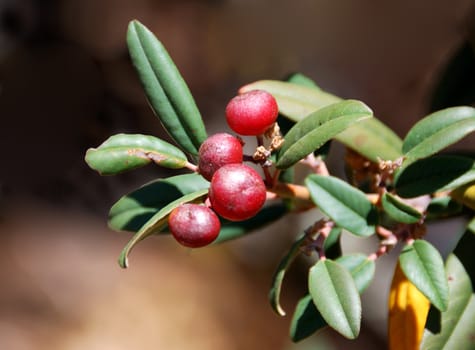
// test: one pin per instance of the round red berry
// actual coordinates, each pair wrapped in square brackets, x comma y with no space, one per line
[216,151]
[252,113]
[237,192]
[194,225]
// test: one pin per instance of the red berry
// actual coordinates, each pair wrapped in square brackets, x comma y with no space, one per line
[237,192]
[194,225]
[252,113]
[216,151]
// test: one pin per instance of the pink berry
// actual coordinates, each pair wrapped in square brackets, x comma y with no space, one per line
[216,151]
[237,192]
[252,113]
[194,225]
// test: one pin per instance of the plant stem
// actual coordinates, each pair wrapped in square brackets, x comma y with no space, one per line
[191,166]
[285,190]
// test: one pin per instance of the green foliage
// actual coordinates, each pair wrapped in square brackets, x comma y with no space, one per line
[332,246]
[385,170]
[441,207]
[166,90]
[424,267]
[370,137]
[438,131]
[158,222]
[316,129]
[361,269]
[457,323]
[235,229]
[347,206]
[433,174]
[306,319]
[133,210]
[295,100]
[274,293]
[124,152]
[398,210]
[471,225]
[336,297]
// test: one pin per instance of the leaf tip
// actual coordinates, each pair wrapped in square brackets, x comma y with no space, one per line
[123,262]
[123,258]
[280,310]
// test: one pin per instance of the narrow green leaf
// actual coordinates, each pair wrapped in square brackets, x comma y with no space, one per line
[437,173]
[133,210]
[123,152]
[278,278]
[471,225]
[458,322]
[332,244]
[438,131]
[157,223]
[440,207]
[398,210]
[306,319]
[370,137]
[347,206]
[165,88]
[361,269]
[235,229]
[423,266]
[303,80]
[336,297]
[316,129]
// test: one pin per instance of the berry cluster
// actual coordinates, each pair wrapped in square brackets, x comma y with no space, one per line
[237,191]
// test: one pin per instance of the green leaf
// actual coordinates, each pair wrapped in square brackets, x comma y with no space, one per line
[316,129]
[157,223]
[278,278]
[442,207]
[347,206]
[471,225]
[370,137]
[398,210]
[438,131]
[133,210]
[303,80]
[361,269]
[123,152]
[335,295]
[165,88]
[458,322]
[306,319]
[295,100]
[424,267]
[437,173]
[332,246]
[235,229]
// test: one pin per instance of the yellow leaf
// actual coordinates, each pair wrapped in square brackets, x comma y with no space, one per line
[465,195]
[408,309]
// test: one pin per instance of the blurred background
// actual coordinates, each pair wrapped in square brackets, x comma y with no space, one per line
[66,84]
